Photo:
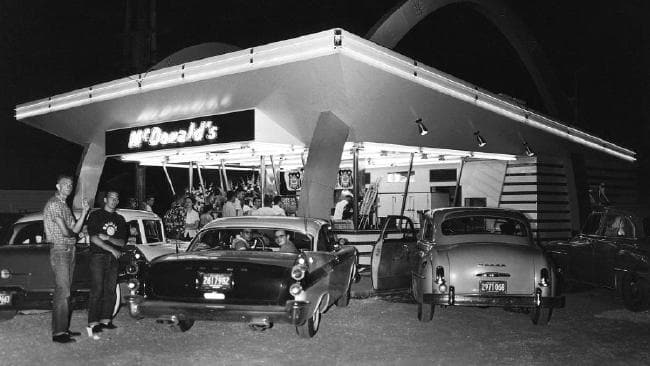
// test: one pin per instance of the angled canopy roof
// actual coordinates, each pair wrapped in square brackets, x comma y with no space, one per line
[377,92]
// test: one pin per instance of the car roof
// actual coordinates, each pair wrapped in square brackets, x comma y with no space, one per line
[127,213]
[440,214]
[634,210]
[302,224]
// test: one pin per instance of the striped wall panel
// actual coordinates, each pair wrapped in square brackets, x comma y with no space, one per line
[539,189]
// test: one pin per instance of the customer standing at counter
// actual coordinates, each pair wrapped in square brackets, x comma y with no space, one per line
[192,219]
[61,230]
[108,233]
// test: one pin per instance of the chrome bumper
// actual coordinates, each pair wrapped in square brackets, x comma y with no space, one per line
[294,312]
[528,301]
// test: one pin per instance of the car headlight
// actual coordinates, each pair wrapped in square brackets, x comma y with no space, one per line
[295,289]
[5,274]
[137,255]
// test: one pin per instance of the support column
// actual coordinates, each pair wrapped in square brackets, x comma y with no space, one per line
[89,171]
[322,166]
[355,187]
[140,184]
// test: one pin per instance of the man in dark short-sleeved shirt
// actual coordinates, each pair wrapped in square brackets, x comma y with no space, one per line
[108,233]
[61,231]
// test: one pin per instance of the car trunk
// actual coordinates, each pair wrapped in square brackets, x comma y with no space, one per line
[243,278]
[490,268]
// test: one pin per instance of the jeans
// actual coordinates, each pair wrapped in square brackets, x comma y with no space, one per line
[62,261]
[103,279]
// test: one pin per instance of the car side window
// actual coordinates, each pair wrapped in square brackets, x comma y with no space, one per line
[618,226]
[592,224]
[29,233]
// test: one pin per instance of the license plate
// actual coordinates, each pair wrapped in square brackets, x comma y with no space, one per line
[495,287]
[5,299]
[221,281]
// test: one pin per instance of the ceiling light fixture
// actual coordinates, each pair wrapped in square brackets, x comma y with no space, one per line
[528,151]
[481,141]
[421,127]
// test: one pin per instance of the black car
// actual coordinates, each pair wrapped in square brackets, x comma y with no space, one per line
[612,251]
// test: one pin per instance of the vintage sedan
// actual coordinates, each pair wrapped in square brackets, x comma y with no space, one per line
[26,278]
[258,284]
[467,256]
[612,251]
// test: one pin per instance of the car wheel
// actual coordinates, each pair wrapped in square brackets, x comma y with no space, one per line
[635,293]
[344,300]
[425,312]
[182,326]
[540,315]
[309,329]
[7,315]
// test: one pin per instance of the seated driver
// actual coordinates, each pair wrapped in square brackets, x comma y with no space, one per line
[286,245]
[244,240]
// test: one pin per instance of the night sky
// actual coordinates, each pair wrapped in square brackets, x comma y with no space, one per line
[599,51]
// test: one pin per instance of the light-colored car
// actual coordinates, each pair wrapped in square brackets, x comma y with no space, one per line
[259,284]
[471,256]
[26,278]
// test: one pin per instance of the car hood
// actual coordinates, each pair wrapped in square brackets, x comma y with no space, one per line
[470,263]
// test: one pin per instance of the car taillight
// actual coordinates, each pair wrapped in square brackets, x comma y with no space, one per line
[544,278]
[295,289]
[440,275]
[5,274]
[298,272]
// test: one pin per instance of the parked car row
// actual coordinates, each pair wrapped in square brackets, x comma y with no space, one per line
[239,268]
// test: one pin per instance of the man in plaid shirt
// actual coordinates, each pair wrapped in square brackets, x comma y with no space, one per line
[61,231]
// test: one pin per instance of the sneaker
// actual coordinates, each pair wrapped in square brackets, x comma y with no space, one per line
[63,338]
[72,334]
[97,328]
[108,326]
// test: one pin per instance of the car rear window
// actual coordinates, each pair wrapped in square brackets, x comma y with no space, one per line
[225,239]
[478,224]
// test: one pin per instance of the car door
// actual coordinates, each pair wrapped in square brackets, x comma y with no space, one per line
[341,261]
[618,230]
[392,255]
[582,249]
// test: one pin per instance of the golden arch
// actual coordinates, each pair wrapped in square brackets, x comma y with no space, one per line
[401,19]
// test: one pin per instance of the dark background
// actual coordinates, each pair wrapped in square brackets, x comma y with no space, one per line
[599,50]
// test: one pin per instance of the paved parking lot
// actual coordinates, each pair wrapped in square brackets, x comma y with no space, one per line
[593,329]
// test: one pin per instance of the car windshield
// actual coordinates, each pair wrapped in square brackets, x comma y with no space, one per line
[256,239]
[478,224]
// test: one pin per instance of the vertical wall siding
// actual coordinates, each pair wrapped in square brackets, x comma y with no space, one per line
[539,190]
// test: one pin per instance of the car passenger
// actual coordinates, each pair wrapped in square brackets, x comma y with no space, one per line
[285,243]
